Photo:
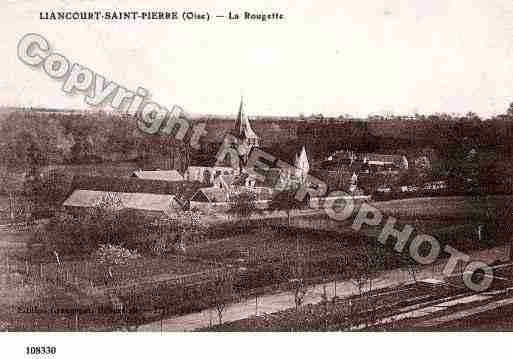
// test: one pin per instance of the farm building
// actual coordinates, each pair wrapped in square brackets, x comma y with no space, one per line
[180,189]
[147,203]
[210,199]
[168,175]
[271,178]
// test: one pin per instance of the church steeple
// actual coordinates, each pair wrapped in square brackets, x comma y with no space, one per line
[243,130]
[301,164]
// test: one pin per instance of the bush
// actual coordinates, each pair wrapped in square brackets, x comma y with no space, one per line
[161,244]
[109,254]
[242,204]
[75,233]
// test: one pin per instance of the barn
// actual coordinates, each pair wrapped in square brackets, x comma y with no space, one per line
[148,204]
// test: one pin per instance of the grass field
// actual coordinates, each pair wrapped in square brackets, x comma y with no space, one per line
[448,218]
[146,269]
[268,244]
[261,250]
[445,207]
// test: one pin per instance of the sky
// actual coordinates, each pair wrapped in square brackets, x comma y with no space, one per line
[330,57]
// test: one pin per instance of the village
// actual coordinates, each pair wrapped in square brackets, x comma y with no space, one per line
[210,189]
[139,248]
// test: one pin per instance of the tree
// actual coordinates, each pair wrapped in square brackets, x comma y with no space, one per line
[111,255]
[286,200]
[299,290]
[298,283]
[12,184]
[84,232]
[470,170]
[423,167]
[341,267]
[410,264]
[189,225]
[221,294]
[375,264]
[359,274]
[242,204]
[21,156]
[365,264]
[509,111]
[52,190]
[497,222]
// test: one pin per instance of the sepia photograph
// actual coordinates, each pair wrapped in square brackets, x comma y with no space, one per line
[280,167]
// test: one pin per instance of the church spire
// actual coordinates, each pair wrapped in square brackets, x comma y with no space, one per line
[302,164]
[243,128]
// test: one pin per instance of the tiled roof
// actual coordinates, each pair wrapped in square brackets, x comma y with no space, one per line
[215,195]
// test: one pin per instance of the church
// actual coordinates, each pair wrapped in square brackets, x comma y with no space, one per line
[230,176]
[246,138]
[232,157]
[243,130]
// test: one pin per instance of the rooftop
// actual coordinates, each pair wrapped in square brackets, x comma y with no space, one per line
[167,175]
[120,200]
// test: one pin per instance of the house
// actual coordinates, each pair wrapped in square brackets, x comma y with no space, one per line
[366,162]
[214,199]
[269,178]
[206,174]
[210,199]
[384,189]
[277,177]
[224,181]
[435,186]
[148,204]
[385,163]
[168,175]
[408,189]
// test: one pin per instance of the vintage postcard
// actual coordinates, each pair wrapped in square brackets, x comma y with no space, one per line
[279,166]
